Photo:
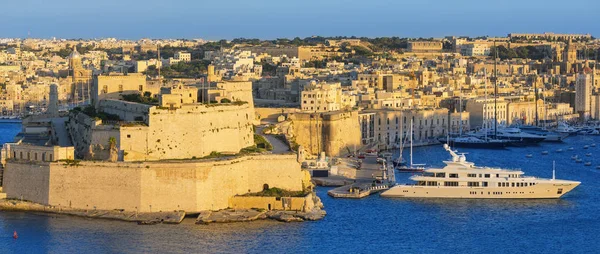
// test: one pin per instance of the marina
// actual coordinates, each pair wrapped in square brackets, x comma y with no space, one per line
[522,220]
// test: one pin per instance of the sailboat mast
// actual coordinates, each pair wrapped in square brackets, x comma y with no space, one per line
[411,141]
[485,120]
[536,102]
[495,90]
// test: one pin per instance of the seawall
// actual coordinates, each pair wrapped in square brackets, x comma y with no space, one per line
[186,185]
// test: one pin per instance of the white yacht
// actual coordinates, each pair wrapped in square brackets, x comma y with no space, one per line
[462,179]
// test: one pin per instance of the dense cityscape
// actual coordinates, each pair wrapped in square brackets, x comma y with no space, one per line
[176,131]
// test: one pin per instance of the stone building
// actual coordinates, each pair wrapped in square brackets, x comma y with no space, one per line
[324,97]
[331,132]
[112,86]
[583,94]
[425,46]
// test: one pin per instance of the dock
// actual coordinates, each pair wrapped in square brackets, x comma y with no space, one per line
[357,190]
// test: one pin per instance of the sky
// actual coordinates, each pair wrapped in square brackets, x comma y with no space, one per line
[270,19]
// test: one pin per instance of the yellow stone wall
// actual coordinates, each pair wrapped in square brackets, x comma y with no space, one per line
[191,186]
[329,132]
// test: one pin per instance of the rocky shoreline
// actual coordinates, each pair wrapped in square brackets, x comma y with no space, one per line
[242,215]
[174,217]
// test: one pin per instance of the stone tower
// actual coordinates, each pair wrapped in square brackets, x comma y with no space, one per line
[80,77]
[53,102]
[570,53]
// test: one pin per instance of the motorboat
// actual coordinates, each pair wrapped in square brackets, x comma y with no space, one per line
[475,142]
[462,179]
[550,136]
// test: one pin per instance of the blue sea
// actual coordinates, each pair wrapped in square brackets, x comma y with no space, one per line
[370,225]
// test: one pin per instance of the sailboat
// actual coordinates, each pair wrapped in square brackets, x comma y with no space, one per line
[471,141]
[400,160]
[411,167]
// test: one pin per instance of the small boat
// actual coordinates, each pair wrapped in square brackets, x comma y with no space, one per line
[588,154]
[571,149]
[579,160]
[529,155]
[559,150]
[586,147]
[587,164]
[574,157]
[544,152]
[15,235]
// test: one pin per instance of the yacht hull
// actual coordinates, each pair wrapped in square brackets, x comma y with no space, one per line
[538,191]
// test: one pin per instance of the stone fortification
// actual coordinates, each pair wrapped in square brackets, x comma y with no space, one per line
[330,132]
[190,185]
[156,133]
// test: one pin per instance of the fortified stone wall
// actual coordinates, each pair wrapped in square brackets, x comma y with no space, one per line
[190,131]
[191,186]
[127,111]
[331,132]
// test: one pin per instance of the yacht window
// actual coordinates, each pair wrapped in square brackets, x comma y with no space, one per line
[442,175]
[479,175]
[484,184]
[473,184]
[453,175]
[525,184]
[453,184]
[421,183]
[431,183]
[497,175]
[499,184]
[487,175]
[512,184]
[429,174]
[471,175]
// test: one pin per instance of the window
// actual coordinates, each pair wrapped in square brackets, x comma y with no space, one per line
[431,183]
[484,184]
[421,183]
[560,191]
[487,175]
[141,88]
[473,184]
[471,175]
[497,175]
[128,136]
[442,175]
[512,184]
[451,184]
[453,175]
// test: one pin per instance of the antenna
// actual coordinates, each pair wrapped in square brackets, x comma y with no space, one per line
[553,170]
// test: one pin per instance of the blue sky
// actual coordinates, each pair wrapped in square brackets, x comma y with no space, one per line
[268,19]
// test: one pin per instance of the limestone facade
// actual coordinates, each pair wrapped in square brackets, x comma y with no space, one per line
[330,132]
[114,85]
[191,186]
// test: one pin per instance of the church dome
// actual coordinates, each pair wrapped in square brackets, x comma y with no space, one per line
[74,53]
